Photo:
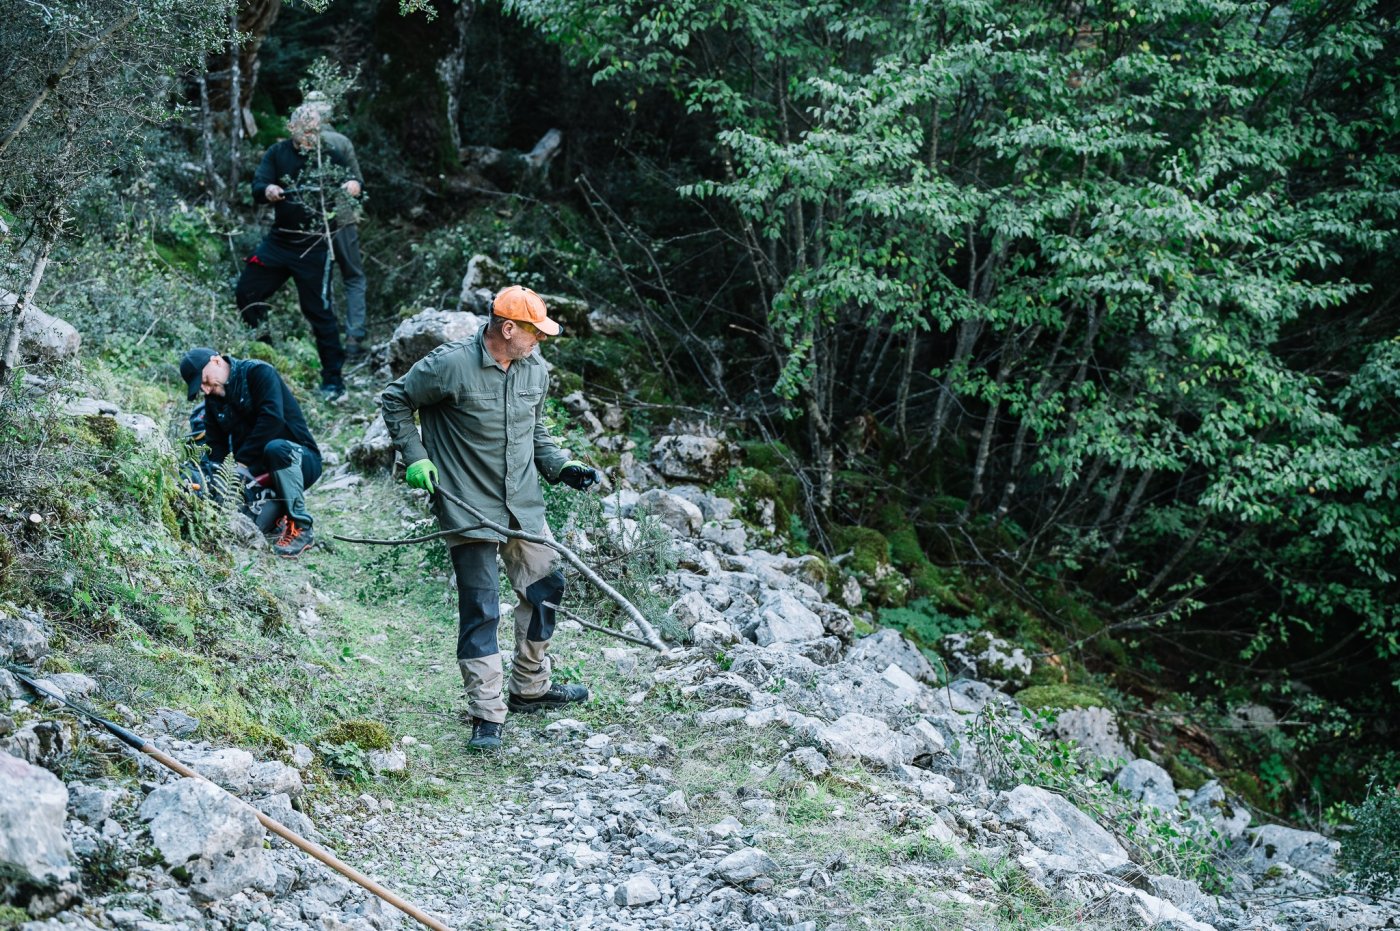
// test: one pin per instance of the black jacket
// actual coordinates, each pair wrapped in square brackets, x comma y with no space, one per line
[256,409]
[297,215]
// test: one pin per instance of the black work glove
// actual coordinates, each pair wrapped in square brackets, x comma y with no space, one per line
[577,475]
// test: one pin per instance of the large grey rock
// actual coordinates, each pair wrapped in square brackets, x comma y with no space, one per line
[728,535]
[1274,845]
[1148,783]
[672,510]
[272,778]
[172,721]
[222,875]
[484,278]
[190,818]
[279,808]
[981,656]
[1210,804]
[42,743]
[877,651]
[692,608]
[390,762]
[74,684]
[24,637]
[694,458]
[744,865]
[230,767]
[1093,729]
[781,618]
[92,804]
[33,805]
[374,450]
[421,334]
[635,891]
[1073,839]
[43,337]
[854,736]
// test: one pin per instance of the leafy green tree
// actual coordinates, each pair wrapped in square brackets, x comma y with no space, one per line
[1074,248]
[79,83]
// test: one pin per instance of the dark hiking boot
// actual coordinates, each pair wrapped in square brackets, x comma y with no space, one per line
[294,541]
[557,696]
[355,353]
[486,735]
[332,390]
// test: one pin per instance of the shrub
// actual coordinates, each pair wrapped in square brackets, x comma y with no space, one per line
[923,621]
[1371,849]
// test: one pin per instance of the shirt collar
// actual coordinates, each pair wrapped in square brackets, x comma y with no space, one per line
[488,361]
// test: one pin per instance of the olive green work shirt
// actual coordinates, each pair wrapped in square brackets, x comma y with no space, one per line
[483,427]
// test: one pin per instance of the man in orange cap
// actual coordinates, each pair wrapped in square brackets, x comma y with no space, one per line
[480,402]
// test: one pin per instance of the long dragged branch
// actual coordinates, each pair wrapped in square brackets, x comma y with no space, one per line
[648,632]
[649,635]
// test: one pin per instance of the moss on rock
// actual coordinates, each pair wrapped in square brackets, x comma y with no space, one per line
[1062,696]
[362,732]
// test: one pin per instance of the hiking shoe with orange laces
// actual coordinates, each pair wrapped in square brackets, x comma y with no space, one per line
[294,541]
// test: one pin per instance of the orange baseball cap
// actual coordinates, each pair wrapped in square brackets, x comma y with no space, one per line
[519,303]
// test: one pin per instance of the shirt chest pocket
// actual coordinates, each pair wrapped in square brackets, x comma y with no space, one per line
[482,402]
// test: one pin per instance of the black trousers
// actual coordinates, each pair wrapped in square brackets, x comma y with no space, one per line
[268,269]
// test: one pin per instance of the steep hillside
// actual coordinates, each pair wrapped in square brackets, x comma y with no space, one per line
[780,766]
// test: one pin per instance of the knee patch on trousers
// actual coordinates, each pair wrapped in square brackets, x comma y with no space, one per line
[548,589]
[479,610]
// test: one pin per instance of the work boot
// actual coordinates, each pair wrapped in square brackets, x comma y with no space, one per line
[355,353]
[557,696]
[486,735]
[332,390]
[294,541]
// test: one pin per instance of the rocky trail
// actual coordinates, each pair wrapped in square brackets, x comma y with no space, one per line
[774,772]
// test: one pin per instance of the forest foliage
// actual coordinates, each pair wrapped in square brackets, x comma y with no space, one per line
[1110,277]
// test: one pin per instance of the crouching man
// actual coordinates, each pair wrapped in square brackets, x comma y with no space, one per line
[480,402]
[251,414]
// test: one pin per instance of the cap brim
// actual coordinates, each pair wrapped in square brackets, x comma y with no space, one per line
[194,385]
[550,327]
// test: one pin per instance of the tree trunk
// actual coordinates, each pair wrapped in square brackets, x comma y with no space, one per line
[235,108]
[206,135]
[9,361]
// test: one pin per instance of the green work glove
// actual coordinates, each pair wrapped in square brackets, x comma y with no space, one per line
[422,474]
[577,475]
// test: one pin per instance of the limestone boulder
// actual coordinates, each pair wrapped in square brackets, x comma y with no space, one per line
[1275,845]
[1072,840]
[782,618]
[422,333]
[34,851]
[672,510]
[855,736]
[1095,730]
[24,637]
[1148,783]
[885,647]
[374,450]
[230,768]
[43,337]
[979,655]
[191,818]
[483,279]
[692,458]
